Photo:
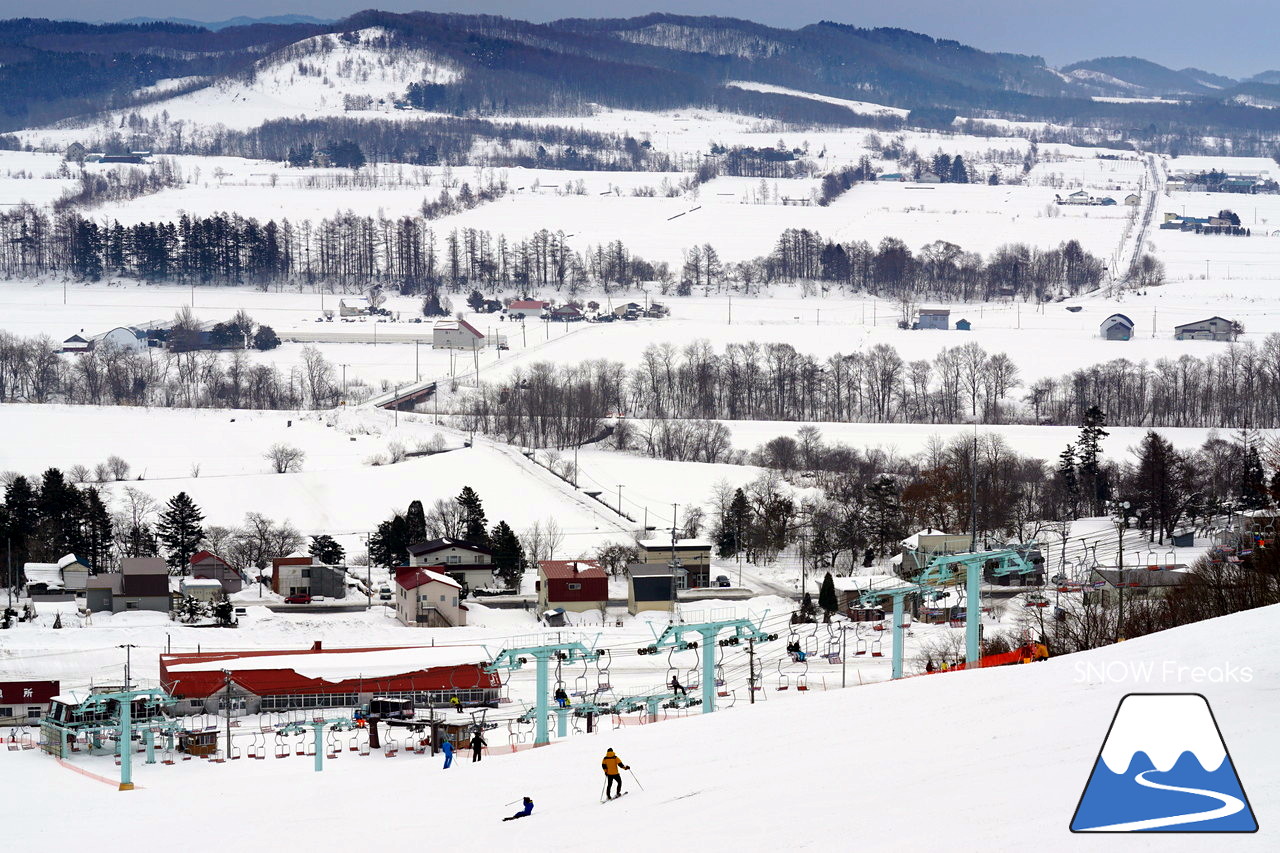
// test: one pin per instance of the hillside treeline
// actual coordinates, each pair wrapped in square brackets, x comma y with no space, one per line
[355,251]
[561,405]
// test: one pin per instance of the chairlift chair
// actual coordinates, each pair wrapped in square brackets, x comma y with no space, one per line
[877,643]
[784,682]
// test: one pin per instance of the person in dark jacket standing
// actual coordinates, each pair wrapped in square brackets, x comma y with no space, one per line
[612,764]
[528,810]
[477,745]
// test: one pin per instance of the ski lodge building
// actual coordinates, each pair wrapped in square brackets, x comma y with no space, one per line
[268,680]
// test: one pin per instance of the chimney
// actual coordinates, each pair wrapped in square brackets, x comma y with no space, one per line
[575,569]
[315,647]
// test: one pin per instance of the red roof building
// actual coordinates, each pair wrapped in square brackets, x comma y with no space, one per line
[269,680]
[578,585]
[208,565]
[428,598]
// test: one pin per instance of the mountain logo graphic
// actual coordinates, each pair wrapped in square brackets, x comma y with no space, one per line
[1163,767]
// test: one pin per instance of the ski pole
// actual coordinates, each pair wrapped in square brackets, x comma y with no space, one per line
[633,776]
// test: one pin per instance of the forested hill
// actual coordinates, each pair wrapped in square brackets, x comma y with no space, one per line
[50,70]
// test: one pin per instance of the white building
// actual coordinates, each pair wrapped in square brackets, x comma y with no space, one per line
[353,306]
[528,308]
[207,590]
[427,599]
[456,334]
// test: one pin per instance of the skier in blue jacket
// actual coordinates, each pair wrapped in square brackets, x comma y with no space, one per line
[448,754]
[528,810]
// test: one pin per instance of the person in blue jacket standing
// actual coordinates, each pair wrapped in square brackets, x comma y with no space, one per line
[447,747]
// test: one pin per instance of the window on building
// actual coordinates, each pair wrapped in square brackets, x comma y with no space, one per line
[306,573]
[197,703]
[442,599]
[6,712]
[131,605]
[33,713]
[572,586]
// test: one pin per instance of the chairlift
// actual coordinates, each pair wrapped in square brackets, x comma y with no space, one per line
[811,643]
[859,642]
[603,662]
[1036,599]
[876,644]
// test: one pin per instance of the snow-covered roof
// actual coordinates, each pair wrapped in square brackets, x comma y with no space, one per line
[660,543]
[208,583]
[341,666]
[414,578]
[913,541]
[860,583]
[48,574]
[68,560]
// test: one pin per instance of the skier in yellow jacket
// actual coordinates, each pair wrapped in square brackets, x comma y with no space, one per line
[612,764]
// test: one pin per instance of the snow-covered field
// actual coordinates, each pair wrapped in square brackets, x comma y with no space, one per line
[963,741]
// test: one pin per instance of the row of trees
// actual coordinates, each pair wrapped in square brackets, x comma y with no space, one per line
[31,371]
[869,499]
[349,251]
[547,404]
[44,521]
[1237,386]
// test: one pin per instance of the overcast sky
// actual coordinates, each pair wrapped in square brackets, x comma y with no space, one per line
[1233,37]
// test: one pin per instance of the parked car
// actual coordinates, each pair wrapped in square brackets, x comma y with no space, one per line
[298,599]
[722,580]
[318,598]
[504,346]
[384,596]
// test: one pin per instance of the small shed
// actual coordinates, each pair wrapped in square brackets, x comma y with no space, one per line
[1133,199]
[933,318]
[75,343]
[649,587]
[207,590]
[963,325]
[1117,327]
[353,306]
[1183,539]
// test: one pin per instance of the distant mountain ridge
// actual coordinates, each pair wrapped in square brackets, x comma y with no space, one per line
[51,70]
[238,21]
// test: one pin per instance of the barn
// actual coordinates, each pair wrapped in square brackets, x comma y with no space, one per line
[1117,327]
[279,680]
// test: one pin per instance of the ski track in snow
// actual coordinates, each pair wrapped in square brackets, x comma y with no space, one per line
[1230,805]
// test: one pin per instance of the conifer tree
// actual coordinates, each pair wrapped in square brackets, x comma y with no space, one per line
[416,521]
[96,532]
[179,531]
[473,517]
[325,549]
[389,545]
[508,554]
[827,598]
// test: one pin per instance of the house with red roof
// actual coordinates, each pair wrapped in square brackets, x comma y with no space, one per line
[206,565]
[577,585]
[456,334]
[521,308]
[428,599]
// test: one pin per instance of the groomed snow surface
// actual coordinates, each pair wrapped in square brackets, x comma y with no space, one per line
[988,760]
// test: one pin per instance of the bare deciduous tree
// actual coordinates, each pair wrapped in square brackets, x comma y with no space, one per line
[285,458]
